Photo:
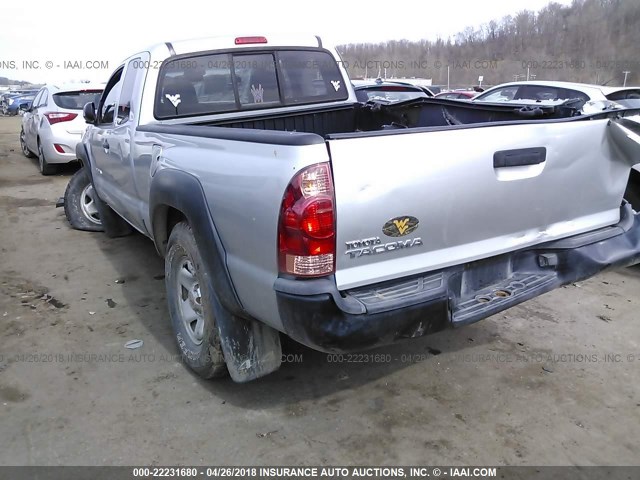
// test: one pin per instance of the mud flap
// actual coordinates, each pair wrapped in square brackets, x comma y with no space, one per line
[251,348]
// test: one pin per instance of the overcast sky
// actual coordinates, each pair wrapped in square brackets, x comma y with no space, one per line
[110,31]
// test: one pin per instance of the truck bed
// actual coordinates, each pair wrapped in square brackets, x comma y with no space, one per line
[373,117]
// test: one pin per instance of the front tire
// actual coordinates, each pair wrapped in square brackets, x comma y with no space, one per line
[23,145]
[191,305]
[80,203]
[45,167]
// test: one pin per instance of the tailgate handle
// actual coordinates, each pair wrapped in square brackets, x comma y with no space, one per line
[519,157]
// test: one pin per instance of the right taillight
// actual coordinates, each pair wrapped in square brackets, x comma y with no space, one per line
[306,229]
[57,117]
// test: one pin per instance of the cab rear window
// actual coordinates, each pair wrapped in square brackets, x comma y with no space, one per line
[76,100]
[218,83]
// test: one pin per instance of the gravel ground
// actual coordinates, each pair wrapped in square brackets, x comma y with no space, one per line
[554,381]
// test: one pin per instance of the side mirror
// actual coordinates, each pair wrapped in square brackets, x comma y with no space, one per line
[89,113]
[25,107]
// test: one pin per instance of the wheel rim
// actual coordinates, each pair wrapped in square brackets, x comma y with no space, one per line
[88,204]
[23,144]
[189,300]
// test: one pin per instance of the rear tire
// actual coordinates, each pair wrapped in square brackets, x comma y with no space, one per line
[23,145]
[80,203]
[45,167]
[191,305]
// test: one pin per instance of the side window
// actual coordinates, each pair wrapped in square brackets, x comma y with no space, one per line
[567,93]
[624,95]
[106,113]
[42,102]
[505,94]
[535,92]
[37,99]
[126,92]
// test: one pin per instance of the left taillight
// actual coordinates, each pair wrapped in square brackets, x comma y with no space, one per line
[57,117]
[306,228]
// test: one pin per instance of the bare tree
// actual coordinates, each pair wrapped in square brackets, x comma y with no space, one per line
[590,41]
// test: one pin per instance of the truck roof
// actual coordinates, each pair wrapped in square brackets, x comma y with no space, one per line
[237,42]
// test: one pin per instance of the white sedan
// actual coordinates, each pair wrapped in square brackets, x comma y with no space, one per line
[592,97]
[54,124]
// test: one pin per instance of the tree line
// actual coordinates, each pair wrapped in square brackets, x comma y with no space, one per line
[6,81]
[591,41]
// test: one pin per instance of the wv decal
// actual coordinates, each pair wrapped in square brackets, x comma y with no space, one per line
[400,226]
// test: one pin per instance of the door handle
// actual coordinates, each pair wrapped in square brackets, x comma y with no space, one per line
[519,157]
[105,145]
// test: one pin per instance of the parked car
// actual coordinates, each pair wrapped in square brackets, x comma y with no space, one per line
[457,95]
[387,91]
[16,92]
[425,89]
[25,106]
[551,91]
[53,126]
[281,203]
[11,104]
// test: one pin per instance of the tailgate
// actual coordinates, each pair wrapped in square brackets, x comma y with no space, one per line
[412,202]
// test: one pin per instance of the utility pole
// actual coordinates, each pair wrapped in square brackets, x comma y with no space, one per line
[448,78]
[527,74]
[626,72]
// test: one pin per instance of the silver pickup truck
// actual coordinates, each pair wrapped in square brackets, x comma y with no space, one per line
[282,204]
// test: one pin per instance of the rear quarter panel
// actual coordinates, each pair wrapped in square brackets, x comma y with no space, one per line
[243,183]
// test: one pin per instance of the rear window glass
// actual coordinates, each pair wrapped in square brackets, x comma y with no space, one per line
[76,100]
[505,94]
[538,93]
[548,93]
[257,80]
[209,84]
[389,94]
[310,77]
[625,95]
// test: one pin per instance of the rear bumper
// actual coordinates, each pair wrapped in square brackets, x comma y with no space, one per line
[315,313]
[67,141]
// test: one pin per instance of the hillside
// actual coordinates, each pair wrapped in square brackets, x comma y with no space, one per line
[7,81]
[590,41]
